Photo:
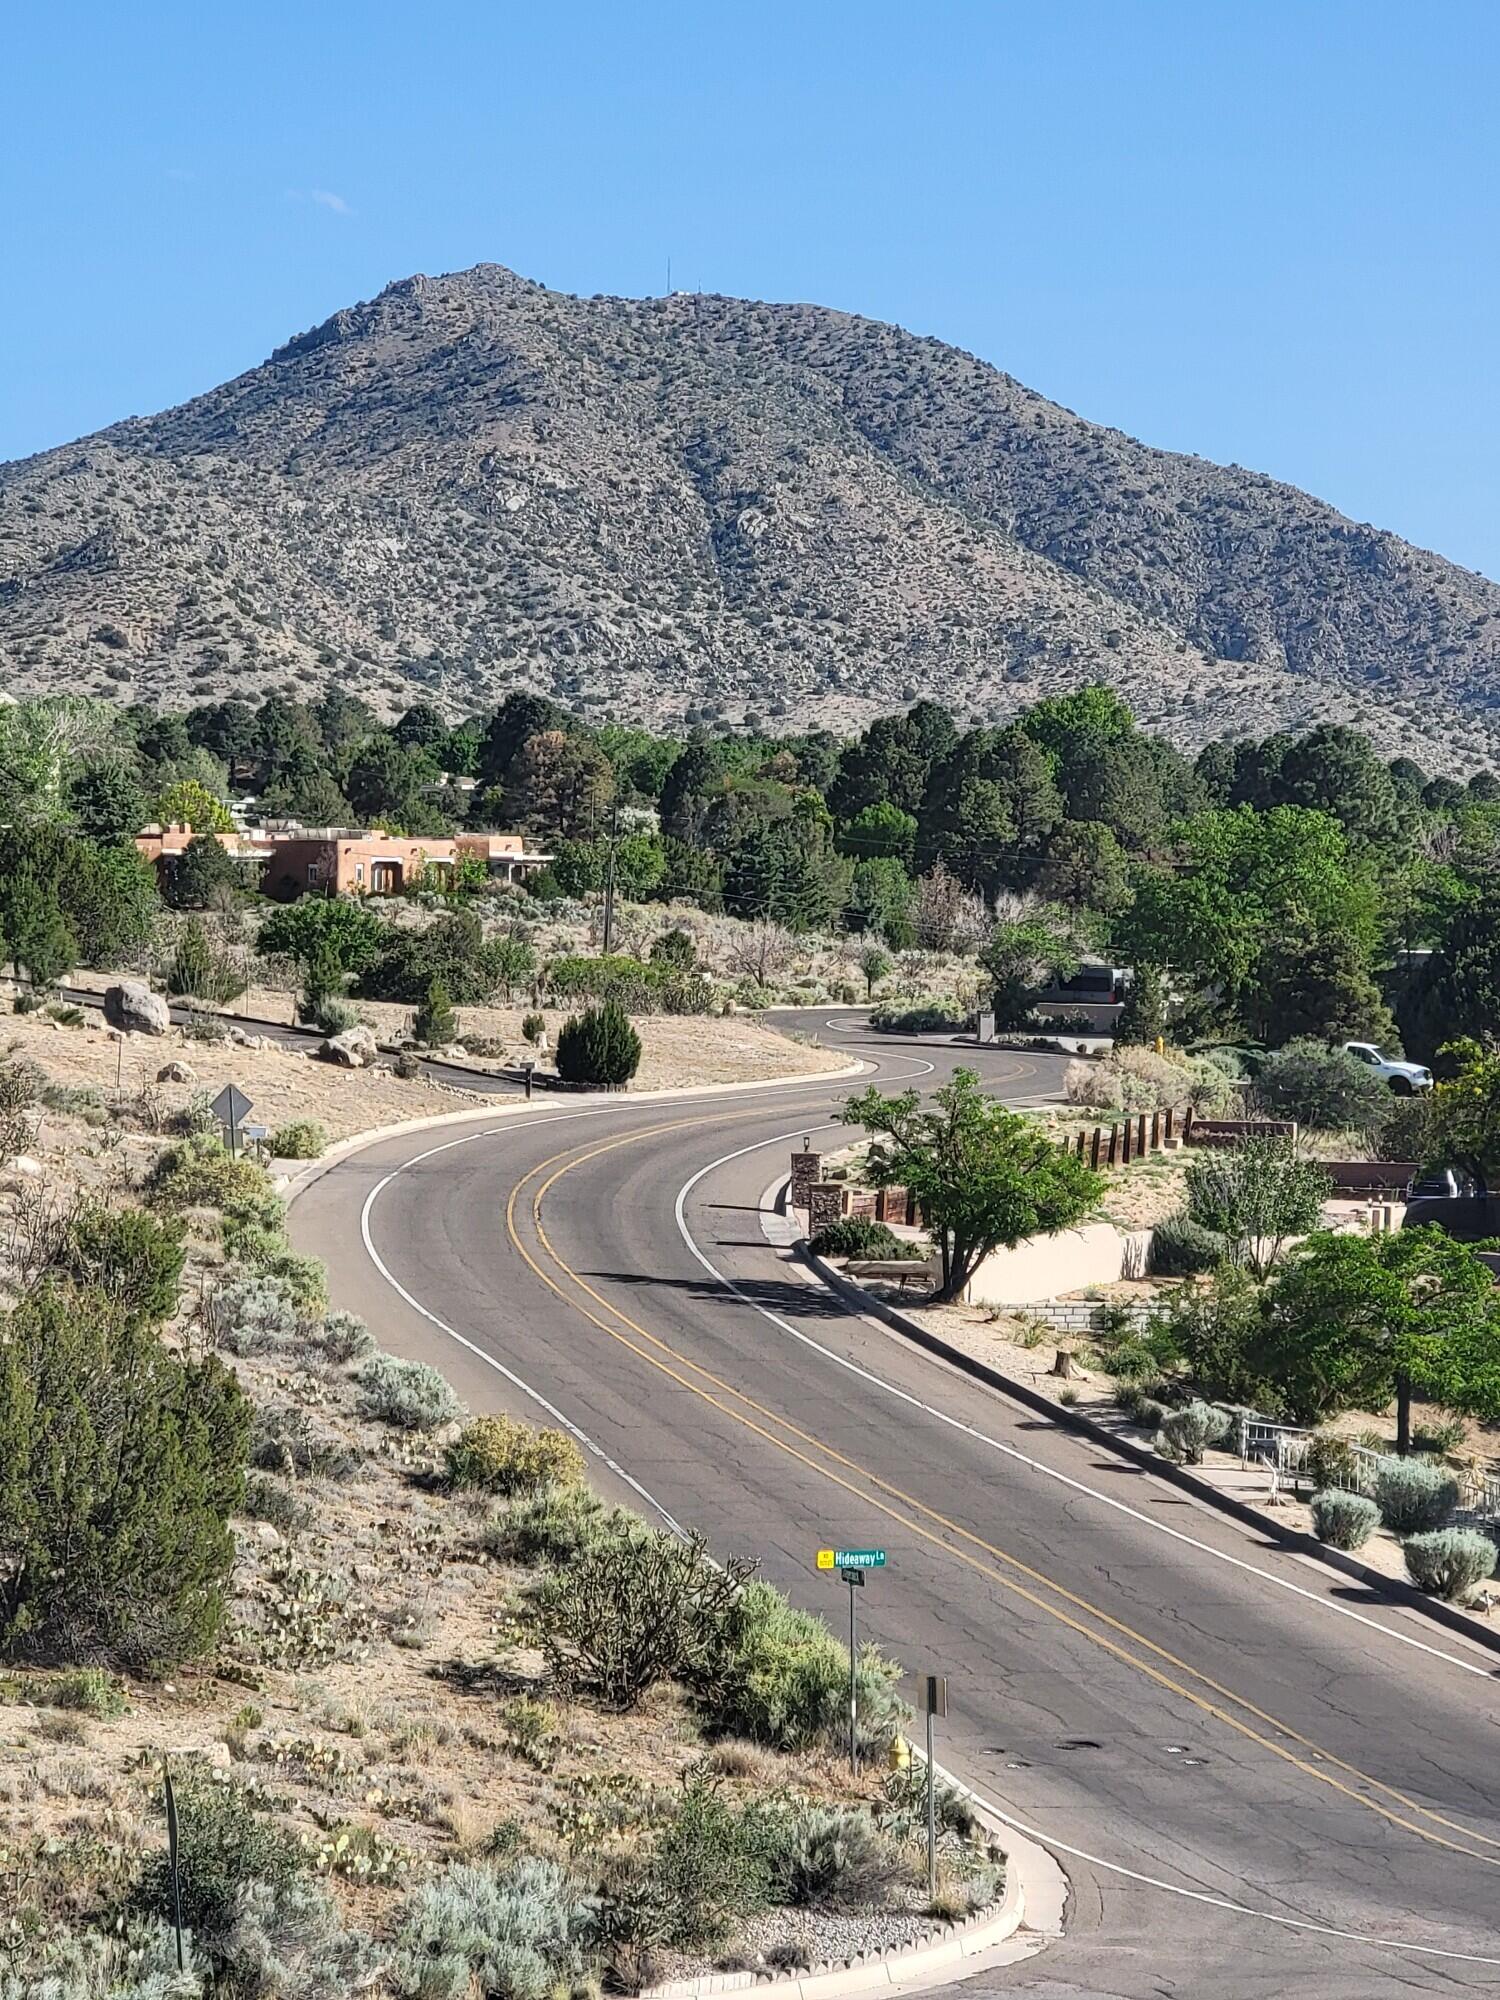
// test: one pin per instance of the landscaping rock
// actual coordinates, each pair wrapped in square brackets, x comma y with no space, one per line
[134,1006]
[176,1072]
[355,1048]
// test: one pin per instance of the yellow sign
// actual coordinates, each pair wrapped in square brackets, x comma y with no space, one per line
[825,1558]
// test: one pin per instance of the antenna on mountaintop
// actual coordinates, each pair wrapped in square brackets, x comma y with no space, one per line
[669,277]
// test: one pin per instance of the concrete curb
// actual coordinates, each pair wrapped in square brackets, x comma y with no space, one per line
[343,1149]
[1034,1897]
[1389,1587]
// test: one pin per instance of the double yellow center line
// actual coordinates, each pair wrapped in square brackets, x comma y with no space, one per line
[1042,1592]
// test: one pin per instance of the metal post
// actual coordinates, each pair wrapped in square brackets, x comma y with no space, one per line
[931,1811]
[172,1859]
[609,881]
[853,1684]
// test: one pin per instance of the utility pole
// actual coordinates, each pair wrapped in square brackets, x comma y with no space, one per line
[936,1704]
[609,879]
[855,1580]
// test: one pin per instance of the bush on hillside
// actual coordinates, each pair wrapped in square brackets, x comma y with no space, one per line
[786,1682]
[201,1172]
[552,1525]
[1449,1562]
[120,1464]
[928,1017]
[1343,1520]
[302,1139]
[598,1048]
[1182,1248]
[1414,1494]
[132,1257]
[522,1933]
[498,1455]
[435,1024]
[408,1394]
[225,1838]
[1187,1433]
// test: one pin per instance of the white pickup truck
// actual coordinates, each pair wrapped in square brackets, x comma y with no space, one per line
[1403,1077]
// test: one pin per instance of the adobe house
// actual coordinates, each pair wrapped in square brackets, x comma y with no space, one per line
[338,861]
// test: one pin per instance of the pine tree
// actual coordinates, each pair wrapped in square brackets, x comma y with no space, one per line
[1143,1018]
[599,1047]
[435,1024]
[36,931]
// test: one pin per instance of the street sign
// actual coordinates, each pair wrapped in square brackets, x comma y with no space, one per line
[231,1105]
[937,1694]
[853,1576]
[851,1558]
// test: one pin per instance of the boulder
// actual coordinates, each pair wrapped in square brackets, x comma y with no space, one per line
[355,1048]
[176,1072]
[133,1006]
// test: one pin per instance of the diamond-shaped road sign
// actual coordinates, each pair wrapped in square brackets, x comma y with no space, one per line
[231,1105]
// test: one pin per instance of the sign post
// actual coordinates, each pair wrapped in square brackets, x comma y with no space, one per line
[173,1865]
[851,1565]
[229,1107]
[936,1704]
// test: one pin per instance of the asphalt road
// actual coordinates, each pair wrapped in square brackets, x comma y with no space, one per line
[1259,1779]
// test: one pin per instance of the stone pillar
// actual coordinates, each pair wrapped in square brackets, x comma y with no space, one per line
[825,1205]
[805,1170]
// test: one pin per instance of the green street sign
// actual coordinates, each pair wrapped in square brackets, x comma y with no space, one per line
[851,1558]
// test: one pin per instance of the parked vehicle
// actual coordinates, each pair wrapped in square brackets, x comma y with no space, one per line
[1403,1077]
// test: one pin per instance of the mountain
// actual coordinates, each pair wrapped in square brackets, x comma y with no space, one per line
[693,507]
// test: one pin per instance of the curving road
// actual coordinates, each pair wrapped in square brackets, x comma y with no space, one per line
[1259,1779]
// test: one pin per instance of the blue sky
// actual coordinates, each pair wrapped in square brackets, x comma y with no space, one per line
[1264,231]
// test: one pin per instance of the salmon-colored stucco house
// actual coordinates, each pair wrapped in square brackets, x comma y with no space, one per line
[339,861]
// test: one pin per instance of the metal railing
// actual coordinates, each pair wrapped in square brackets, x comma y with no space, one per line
[1283,1449]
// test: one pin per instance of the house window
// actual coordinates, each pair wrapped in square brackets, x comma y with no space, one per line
[359,871]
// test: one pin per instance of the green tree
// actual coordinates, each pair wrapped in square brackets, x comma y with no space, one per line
[989,808]
[1318,986]
[1257,1195]
[1143,1018]
[1019,951]
[108,896]
[1464,1127]
[345,929]
[205,875]
[1083,867]
[105,802]
[874,964]
[392,786]
[199,972]
[1352,1322]
[43,741]
[190,803]
[983,1176]
[880,832]
[1323,1088]
[435,1024]
[881,899]
[1456,996]
[35,930]
[599,1047]
[120,1464]
[324,980]
[560,785]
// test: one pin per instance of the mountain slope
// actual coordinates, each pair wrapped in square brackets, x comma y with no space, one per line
[705,506]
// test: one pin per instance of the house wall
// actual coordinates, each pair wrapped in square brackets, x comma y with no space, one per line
[1096,1254]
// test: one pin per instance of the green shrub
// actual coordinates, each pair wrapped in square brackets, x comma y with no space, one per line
[533,1027]
[345,1337]
[932,1017]
[201,1173]
[834,1857]
[1182,1248]
[22,1084]
[1187,1433]
[858,1236]
[1323,1088]
[198,972]
[290,1943]
[1257,1195]
[408,1394]
[331,1015]
[629,1612]
[599,1048]
[92,1691]
[268,1251]
[1132,1361]
[1414,1494]
[435,1024]
[270,1499]
[252,1315]
[553,1525]
[224,1839]
[1449,1562]
[128,1255]
[711,1870]
[303,1139]
[120,1464]
[1343,1520]
[786,1682]
[1331,1460]
[518,1934]
[498,1455]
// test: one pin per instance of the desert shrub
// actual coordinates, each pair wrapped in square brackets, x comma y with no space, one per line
[135,1960]
[1187,1433]
[599,1047]
[1132,1361]
[270,1499]
[1343,1520]
[518,1934]
[130,1256]
[292,1442]
[268,1252]
[1323,1088]
[787,1680]
[198,972]
[224,1839]
[120,1464]
[345,1337]
[834,1857]
[499,1455]
[675,947]
[333,1016]
[1136,1400]
[1449,1561]
[1182,1248]
[204,1025]
[252,1315]
[858,1236]
[303,1139]
[1257,1195]
[1413,1494]
[629,1612]
[201,1173]
[408,1394]
[1212,1330]
[288,1942]
[91,1691]
[533,1027]
[553,1525]
[711,1869]
[22,1084]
